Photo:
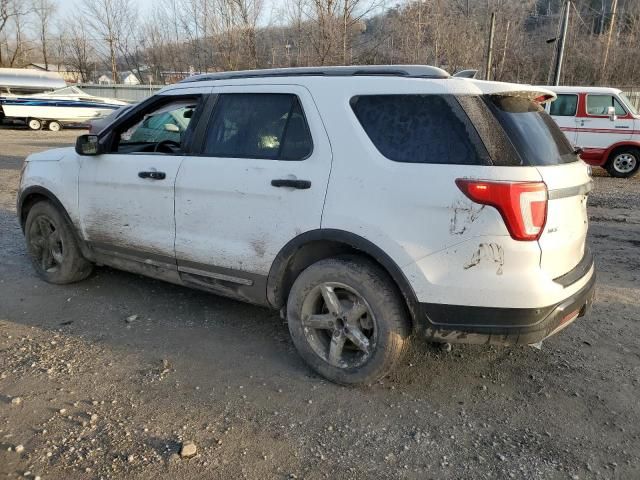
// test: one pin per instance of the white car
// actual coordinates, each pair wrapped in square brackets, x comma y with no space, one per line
[368,204]
[603,123]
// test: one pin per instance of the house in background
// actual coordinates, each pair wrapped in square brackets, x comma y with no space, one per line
[105,80]
[68,73]
[129,78]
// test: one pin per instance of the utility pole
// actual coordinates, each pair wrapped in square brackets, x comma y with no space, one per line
[504,50]
[561,43]
[612,27]
[492,29]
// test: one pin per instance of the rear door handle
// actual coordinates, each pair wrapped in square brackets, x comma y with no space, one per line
[285,182]
[153,175]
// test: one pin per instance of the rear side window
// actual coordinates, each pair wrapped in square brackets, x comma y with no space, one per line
[420,129]
[258,125]
[599,104]
[564,106]
[532,132]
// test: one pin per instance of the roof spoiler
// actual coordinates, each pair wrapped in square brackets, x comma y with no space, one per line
[539,96]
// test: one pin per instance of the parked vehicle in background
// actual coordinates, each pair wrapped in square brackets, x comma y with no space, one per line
[603,123]
[69,105]
[98,124]
[366,204]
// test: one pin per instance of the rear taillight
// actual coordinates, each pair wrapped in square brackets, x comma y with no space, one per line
[523,205]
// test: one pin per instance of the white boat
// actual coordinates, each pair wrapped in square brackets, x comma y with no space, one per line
[69,105]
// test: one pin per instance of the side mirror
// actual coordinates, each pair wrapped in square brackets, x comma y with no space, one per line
[611,112]
[170,127]
[87,145]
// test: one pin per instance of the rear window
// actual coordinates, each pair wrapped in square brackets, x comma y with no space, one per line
[420,129]
[533,133]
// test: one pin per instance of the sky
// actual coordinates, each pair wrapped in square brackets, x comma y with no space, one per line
[67,7]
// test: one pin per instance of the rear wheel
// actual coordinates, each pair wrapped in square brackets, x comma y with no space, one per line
[55,126]
[624,163]
[347,320]
[52,246]
[34,124]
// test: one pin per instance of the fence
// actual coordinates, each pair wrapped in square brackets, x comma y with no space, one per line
[129,93]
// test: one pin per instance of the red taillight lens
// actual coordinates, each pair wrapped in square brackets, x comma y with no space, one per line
[543,98]
[523,205]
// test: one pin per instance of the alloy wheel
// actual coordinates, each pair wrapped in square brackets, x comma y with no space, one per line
[45,244]
[339,325]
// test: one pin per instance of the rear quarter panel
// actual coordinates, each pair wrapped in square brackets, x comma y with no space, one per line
[415,211]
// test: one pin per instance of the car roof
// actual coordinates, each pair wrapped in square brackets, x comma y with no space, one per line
[568,89]
[372,79]
[412,71]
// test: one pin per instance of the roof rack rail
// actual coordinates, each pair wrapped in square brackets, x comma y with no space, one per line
[409,71]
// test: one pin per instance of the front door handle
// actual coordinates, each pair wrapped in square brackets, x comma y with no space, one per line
[153,175]
[286,182]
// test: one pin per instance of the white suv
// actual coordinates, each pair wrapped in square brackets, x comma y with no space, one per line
[368,204]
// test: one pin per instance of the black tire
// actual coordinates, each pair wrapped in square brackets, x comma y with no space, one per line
[52,246]
[623,162]
[384,324]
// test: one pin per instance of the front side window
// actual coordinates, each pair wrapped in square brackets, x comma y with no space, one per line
[565,105]
[161,130]
[420,129]
[598,105]
[258,125]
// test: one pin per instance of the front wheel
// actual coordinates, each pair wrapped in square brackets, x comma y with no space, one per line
[347,320]
[55,126]
[52,246]
[624,163]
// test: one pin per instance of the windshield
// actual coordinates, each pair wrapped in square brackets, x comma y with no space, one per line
[628,104]
[533,133]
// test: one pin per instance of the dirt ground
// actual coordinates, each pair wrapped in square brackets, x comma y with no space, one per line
[89,394]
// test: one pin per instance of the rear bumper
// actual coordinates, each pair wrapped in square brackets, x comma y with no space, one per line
[503,326]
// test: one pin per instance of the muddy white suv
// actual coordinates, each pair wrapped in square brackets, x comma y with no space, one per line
[368,204]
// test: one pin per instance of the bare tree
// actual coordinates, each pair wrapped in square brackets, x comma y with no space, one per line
[77,47]
[107,19]
[179,36]
[17,45]
[12,13]
[246,14]
[44,10]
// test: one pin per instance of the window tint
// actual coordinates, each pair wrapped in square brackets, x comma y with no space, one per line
[598,105]
[420,129]
[564,106]
[167,123]
[533,133]
[259,125]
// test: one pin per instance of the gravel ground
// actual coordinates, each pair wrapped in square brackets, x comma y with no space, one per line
[109,377]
